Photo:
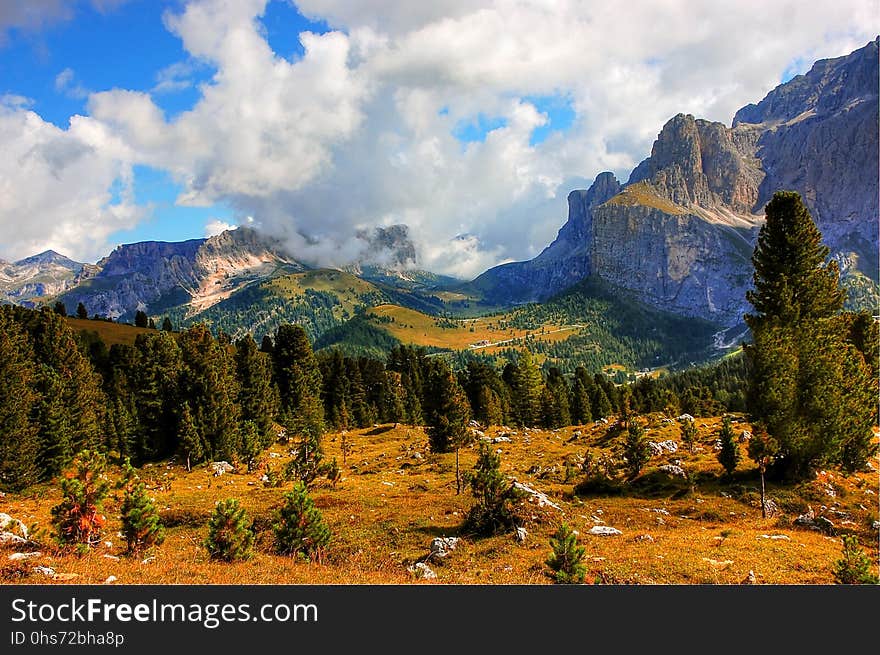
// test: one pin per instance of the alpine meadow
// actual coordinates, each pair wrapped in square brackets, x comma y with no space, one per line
[312,324]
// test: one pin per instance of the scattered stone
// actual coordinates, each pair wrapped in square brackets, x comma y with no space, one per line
[604,531]
[418,456]
[685,417]
[645,538]
[9,524]
[540,498]
[751,578]
[744,436]
[148,560]
[770,507]
[714,563]
[876,525]
[115,558]
[473,424]
[44,570]
[520,535]
[776,537]
[110,579]
[219,468]
[65,576]
[442,546]
[18,557]
[422,571]
[673,471]
[824,525]
[808,519]
[8,538]
[501,439]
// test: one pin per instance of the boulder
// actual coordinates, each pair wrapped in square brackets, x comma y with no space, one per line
[45,570]
[808,519]
[673,471]
[645,538]
[685,417]
[876,525]
[744,436]
[442,546]
[824,525]
[536,496]
[603,531]
[18,557]
[219,468]
[9,524]
[110,579]
[520,535]
[751,578]
[422,571]
[770,507]
[10,539]
[501,439]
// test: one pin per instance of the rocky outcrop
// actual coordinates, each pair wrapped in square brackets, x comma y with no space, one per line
[680,233]
[30,280]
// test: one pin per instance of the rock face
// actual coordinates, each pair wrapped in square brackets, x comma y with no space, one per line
[151,275]
[680,233]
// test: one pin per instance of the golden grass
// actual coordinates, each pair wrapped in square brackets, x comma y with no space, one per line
[391,503]
[412,327]
[642,194]
[346,287]
[110,333]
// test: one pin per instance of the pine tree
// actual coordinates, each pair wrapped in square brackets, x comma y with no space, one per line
[494,496]
[636,449]
[188,438]
[689,433]
[855,566]
[257,395]
[77,518]
[140,518]
[581,405]
[158,396]
[140,319]
[230,537]
[60,309]
[566,558]
[299,527]
[151,324]
[81,311]
[19,434]
[527,389]
[266,345]
[167,325]
[729,455]
[762,449]
[447,425]
[299,382]
[555,412]
[601,404]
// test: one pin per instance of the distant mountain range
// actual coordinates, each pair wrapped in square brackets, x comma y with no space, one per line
[677,236]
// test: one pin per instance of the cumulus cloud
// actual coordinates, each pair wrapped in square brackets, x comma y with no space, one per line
[34,15]
[215,226]
[359,131]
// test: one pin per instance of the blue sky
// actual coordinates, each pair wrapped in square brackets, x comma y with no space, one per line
[190,113]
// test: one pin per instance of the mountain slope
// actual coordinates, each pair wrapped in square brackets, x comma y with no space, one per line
[680,232]
[34,278]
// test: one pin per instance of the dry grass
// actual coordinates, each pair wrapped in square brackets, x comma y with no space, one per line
[642,194]
[110,333]
[412,327]
[391,503]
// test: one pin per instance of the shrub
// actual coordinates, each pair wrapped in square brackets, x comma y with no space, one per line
[566,558]
[493,510]
[855,566]
[77,518]
[229,536]
[140,519]
[299,527]
[636,449]
[729,455]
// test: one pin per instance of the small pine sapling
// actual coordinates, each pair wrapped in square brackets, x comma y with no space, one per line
[566,558]
[140,519]
[762,450]
[636,449]
[689,433]
[299,526]
[230,537]
[855,566]
[77,518]
[729,455]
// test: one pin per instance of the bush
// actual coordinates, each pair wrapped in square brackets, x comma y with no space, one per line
[493,510]
[636,449]
[77,518]
[855,566]
[140,519]
[229,536]
[299,527]
[566,558]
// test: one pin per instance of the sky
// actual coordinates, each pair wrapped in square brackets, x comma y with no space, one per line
[470,121]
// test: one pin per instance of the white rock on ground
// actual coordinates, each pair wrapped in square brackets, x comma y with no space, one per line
[442,546]
[9,524]
[422,571]
[603,531]
[18,557]
[540,497]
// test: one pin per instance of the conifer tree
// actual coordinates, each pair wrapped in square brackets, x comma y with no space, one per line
[601,404]
[581,405]
[566,558]
[230,537]
[77,518]
[257,395]
[636,449]
[19,434]
[157,394]
[762,449]
[140,518]
[855,566]
[527,389]
[266,345]
[167,325]
[555,412]
[299,527]
[729,455]
[81,311]
[140,319]
[494,496]
[299,383]
[447,425]
[188,438]
[689,433]
[60,309]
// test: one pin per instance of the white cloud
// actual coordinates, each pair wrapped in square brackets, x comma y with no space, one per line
[34,15]
[215,226]
[358,132]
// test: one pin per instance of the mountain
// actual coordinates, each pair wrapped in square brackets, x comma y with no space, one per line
[680,232]
[30,280]
[153,276]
